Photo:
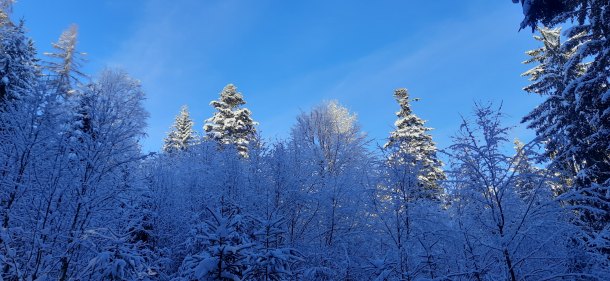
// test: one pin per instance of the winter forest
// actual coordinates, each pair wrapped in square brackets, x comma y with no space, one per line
[80,200]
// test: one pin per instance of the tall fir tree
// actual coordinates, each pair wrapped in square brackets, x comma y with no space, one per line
[6,7]
[181,135]
[410,144]
[270,260]
[554,118]
[64,78]
[232,124]
[18,63]
[524,167]
[572,121]
[586,91]
[224,250]
[65,69]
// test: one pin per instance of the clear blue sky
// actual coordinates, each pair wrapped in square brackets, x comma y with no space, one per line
[286,56]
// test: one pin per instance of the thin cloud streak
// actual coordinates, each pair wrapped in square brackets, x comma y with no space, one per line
[167,33]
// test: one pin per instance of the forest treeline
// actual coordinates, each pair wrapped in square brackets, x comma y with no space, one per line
[79,200]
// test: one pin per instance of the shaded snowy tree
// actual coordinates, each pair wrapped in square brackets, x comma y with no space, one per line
[543,11]
[555,12]
[225,251]
[588,45]
[505,236]
[525,167]
[411,225]
[574,117]
[270,260]
[554,119]
[21,134]
[18,64]
[102,155]
[116,259]
[231,124]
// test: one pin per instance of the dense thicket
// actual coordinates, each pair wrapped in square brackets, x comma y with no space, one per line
[80,201]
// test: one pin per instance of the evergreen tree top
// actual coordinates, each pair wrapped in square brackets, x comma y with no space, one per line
[6,8]
[408,125]
[229,98]
[231,124]
[402,97]
[18,64]
[410,144]
[181,135]
[68,61]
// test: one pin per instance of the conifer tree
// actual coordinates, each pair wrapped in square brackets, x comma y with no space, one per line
[524,167]
[181,135]
[589,94]
[410,144]
[66,68]
[270,260]
[231,124]
[225,251]
[551,118]
[18,65]
[6,7]
[573,120]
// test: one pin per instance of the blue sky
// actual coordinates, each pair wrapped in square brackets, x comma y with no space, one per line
[287,56]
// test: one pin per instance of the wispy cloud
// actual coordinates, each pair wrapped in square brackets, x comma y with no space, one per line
[447,66]
[176,50]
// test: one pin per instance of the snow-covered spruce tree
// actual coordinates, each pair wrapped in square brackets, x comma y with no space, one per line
[270,260]
[555,12]
[114,259]
[588,95]
[558,112]
[65,69]
[18,65]
[224,251]
[410,144]
[231,124]
[6,7]
[524,165]
[181,135]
